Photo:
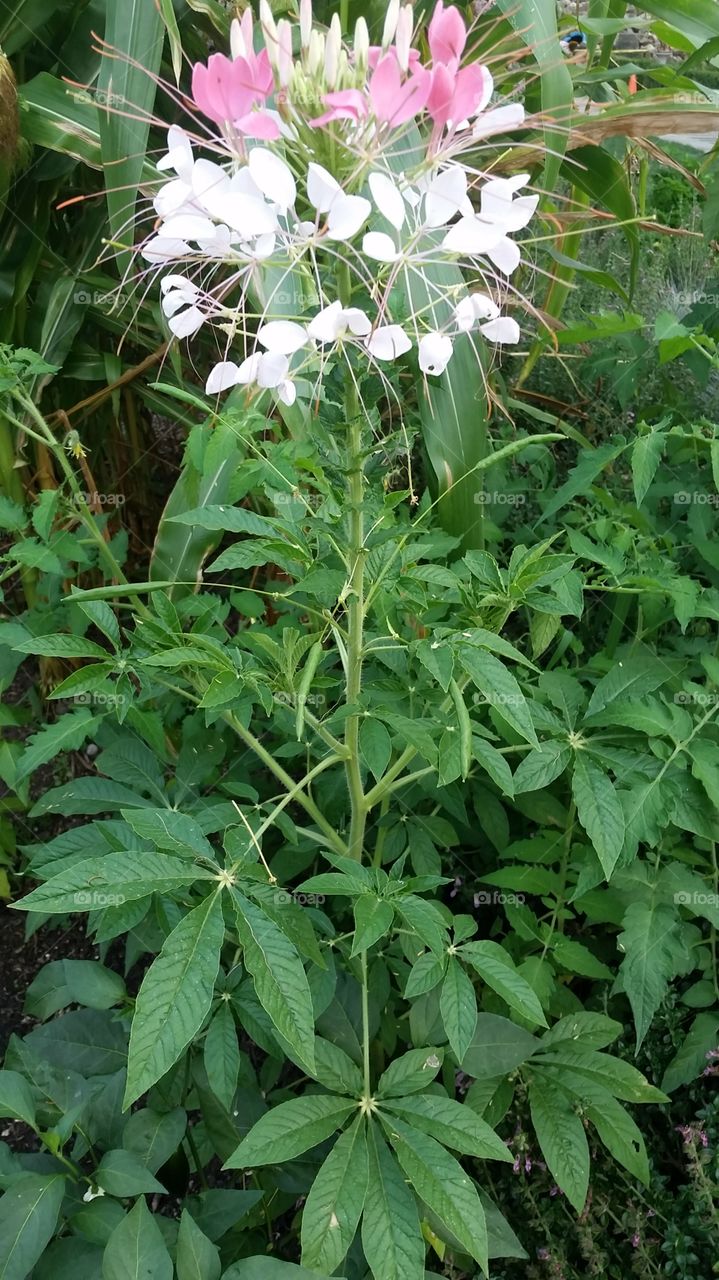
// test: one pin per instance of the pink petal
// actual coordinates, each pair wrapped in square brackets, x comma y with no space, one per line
[447,34]
[441,94]
[470,91]
[259,124]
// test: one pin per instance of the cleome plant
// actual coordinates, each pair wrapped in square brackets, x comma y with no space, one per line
[375,850]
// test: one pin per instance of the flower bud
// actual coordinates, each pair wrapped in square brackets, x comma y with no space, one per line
[284,54]
[403,38]
[390,23]
[269,30]
[332,51]
[361,44]
[316,55]
[305,23]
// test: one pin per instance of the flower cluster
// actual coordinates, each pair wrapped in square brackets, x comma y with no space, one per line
[341,177]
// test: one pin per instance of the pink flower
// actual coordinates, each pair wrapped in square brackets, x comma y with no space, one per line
[447,34]
[395,102]
[458,95]
[227,90]
[345,104]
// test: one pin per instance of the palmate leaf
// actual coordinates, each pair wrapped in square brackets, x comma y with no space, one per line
[124,876]
[563,1141]
[278,975]
[175,996]
[599,810]
[442,1184]
[391,1236]
[335,1202]
[291,1129]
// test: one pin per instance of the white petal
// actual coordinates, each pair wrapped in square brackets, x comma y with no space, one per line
[381,247]
[282,337]
[273,177]
[500,120]
[249,368]
[499,205]
[347,216]
[328,324]
[388,342]
[188,226]
[435,353]
[464,315]
[321,187]
[388,199]
[179,153]
[503,330]
[178,282]
[244,183]
[174,301]
[162,249]
[208,181]
[446,196]
[264,247]
[172,197]
[483,307]
[223,376]
[187,323]
[471,235]
[287,391]
[357,322]
[249,216]
[505,255]
[272,369]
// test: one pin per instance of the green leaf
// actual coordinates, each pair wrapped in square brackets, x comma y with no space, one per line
[535,21]
[126,94]
[62,646]
[495,967]
[171,830]
[696,19]
[453,1124]
[121,1174]
[563,1142]
[222,1055]
[291,1129]
[90,984]
[425,920]
[197,1257]
[175,996]
[391,1236]
[630,678]
[500,688]
[373,919]
[28,1214]
[654,953]
[442,1184]
[375,745]
[278,975]
[621,1136]
[112,880]
[541,766]
[620,1078]
[689,1061]
[458,1007]
[579,959]
[426,972]
[153,1136]
[335,1069]
[136,1249]
[646,456]
[88,795]
[498,1047]
[599,810]
[335,1202]
[16,1099]
[412,1072]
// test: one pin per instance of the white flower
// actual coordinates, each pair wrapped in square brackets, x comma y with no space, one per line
[346,215]
[93,1193]
[187,323]
[499,120]
[388,342]
[499,205]
[223,376]
[162,249]
[267,370]
[246,214]
[475,307]
[471,235]
[503,330]
[188,226]
[273,177]
[435,352]
[282,337]
[179,154]
[177,292]
[446,196]
[334,321]
[380,246]
[505,255]
[388,199]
